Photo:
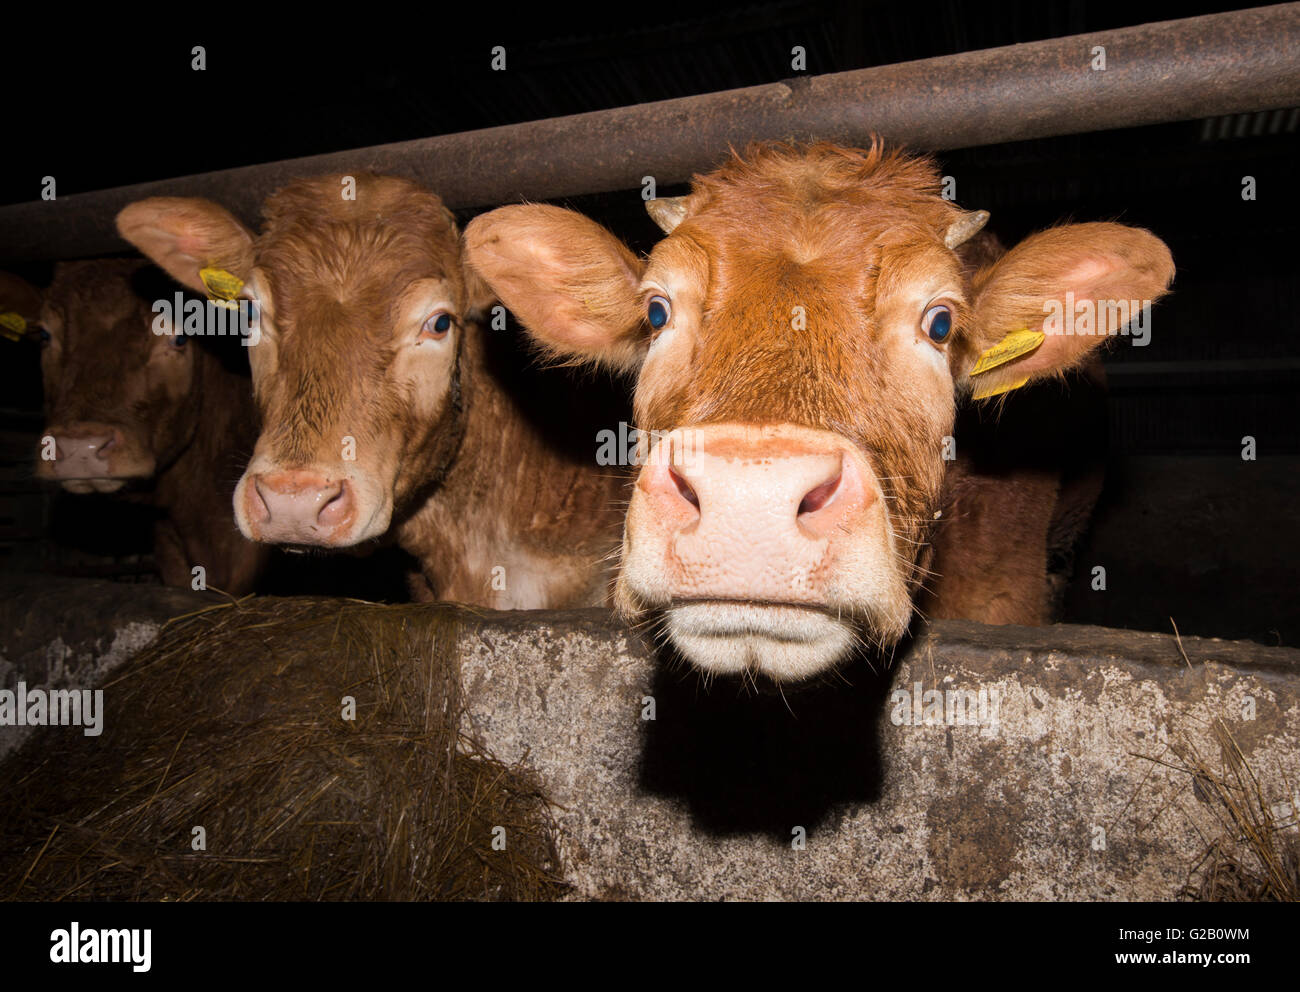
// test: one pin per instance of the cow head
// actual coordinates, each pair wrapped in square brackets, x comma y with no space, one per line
[800,339]
[120,399]
[363,305]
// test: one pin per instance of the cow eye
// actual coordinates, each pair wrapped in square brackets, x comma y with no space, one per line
[43,336]
[937,323]
[178,340]
[437,325]
[658,311]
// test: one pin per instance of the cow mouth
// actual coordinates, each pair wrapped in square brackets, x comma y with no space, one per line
[105,483]
[785,642]
[97,484]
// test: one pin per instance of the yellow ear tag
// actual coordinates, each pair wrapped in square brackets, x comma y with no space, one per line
[987,391]
[1014,345]
[13,325]
[222,287]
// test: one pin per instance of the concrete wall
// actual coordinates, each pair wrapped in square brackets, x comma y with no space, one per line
[1054,797]
[1058,787]
[69,634]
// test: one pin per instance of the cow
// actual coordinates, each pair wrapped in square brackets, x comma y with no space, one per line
[135,406]
[384,406]
[802,340]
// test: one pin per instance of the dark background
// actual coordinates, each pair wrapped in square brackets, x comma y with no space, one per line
[1185,528]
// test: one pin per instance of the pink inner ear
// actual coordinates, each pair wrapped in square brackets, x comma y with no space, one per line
[1079,264]
[1089,275]
[187,244]
[1090,279]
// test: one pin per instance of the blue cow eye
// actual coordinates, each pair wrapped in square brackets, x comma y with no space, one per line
[178,339]
[438,324]
[658,312]
[45,337]
[938,323]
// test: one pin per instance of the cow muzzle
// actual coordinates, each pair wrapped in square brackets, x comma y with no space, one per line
[768,549]
[91,456]
[309,507]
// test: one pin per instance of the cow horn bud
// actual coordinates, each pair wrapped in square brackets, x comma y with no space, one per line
[965,227]
[667,211]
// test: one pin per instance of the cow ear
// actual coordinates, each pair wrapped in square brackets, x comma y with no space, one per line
[19,296]
[185,235]
[571,283]
[1048,303]
[479,296]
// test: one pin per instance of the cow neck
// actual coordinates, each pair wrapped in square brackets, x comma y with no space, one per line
[486,422]
[450,438]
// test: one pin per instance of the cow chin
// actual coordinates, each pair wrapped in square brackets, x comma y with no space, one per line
[783,638]
[783,643]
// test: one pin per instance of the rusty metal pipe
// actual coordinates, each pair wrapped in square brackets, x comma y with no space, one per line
[1235,62]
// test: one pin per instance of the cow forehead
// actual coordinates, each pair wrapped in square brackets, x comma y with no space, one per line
[105,323]
[317,243]
[796,269]
[838,221]
[351,259]
[95,294]
[814,285]
[819,173]
[849,233]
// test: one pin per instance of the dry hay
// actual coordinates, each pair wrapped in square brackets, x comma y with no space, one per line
[1251,851]
[1254,858]
[233,720]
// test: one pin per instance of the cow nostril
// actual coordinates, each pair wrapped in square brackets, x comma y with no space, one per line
[337,507]
[255,504]
[816,498]
[685,489]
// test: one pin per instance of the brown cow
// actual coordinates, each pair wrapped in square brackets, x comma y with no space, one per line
[157,416]
[802,339]
[382,408]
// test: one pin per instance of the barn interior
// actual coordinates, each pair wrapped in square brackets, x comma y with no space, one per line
[1185,528]
[1199,432]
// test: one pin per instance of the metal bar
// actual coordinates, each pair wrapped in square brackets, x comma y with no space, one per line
[1247,60]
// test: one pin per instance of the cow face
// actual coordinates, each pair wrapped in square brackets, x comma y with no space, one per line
[355,369]
[800,339]
[120,402]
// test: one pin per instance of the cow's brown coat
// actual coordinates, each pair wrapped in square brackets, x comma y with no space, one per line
[479,490]
[838,232]
[187,421]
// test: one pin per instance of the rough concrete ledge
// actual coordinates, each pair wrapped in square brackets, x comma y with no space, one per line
[1055,783]
[70,633]
[858,789]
